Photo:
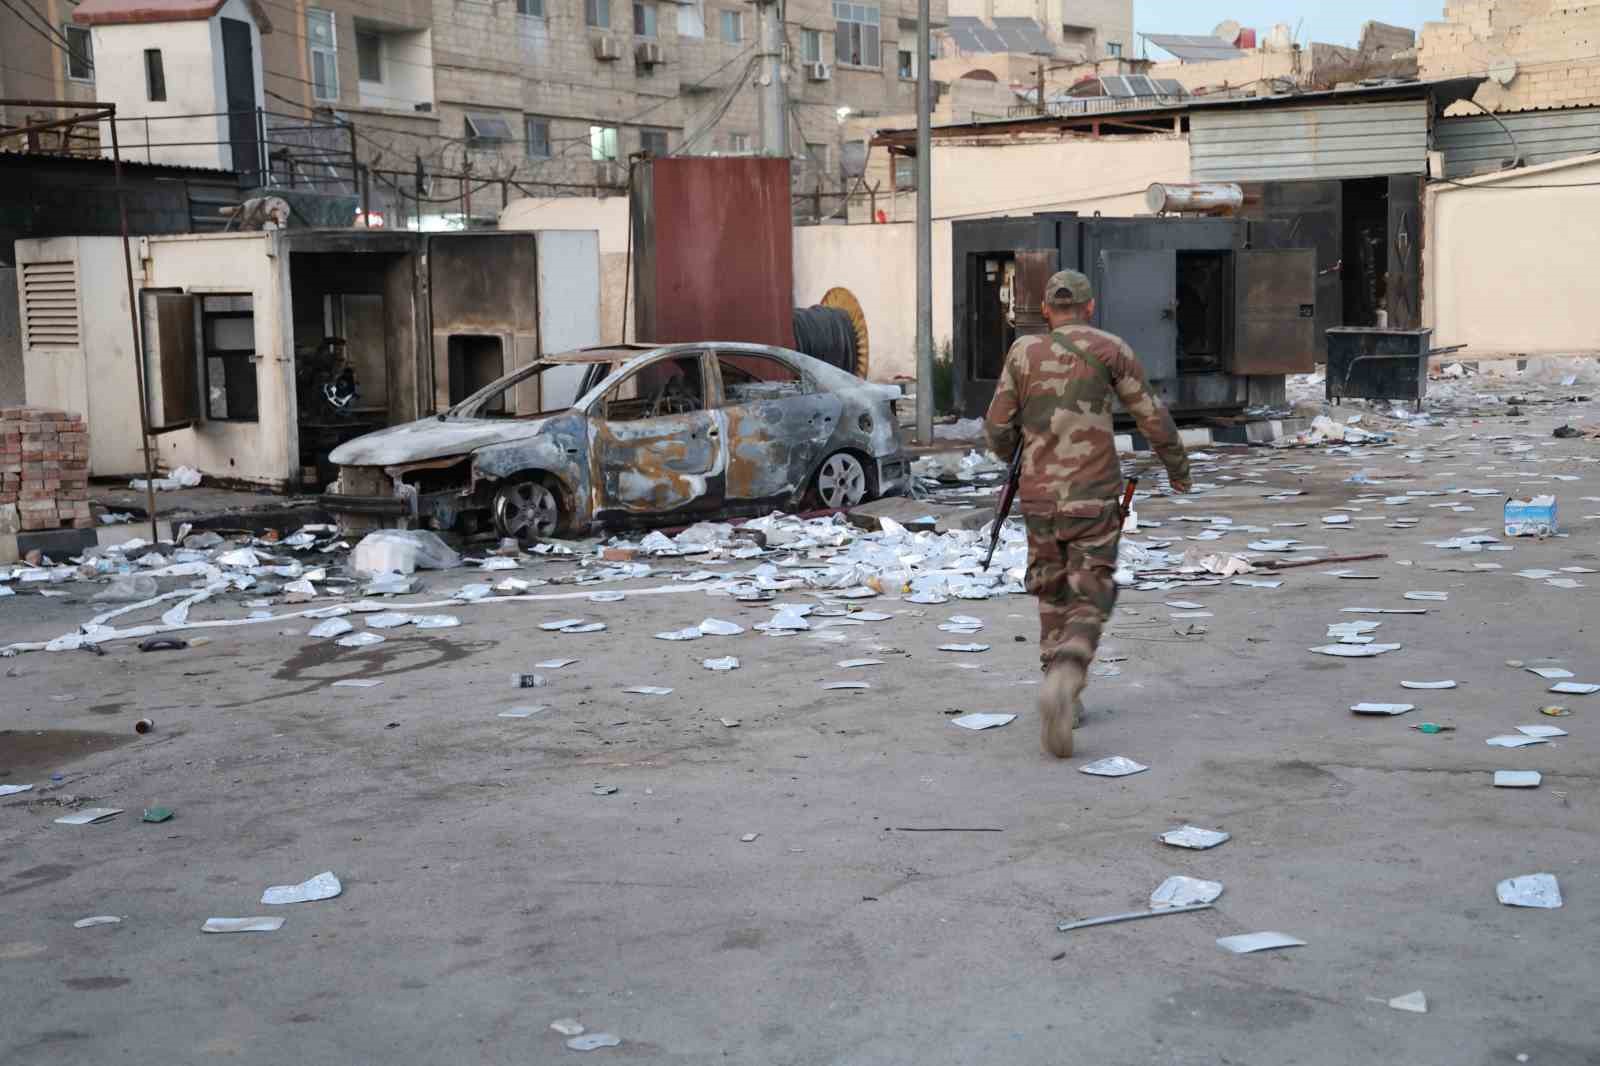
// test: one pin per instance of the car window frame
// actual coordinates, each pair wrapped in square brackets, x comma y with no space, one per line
[592,403]
[808,387]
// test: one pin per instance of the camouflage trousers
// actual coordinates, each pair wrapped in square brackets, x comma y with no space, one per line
[1070,566]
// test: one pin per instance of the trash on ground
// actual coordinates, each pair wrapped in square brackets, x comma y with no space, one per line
[980,720]
[1428,684]
[1130,916]
[1554,710]
[521,681]
[968,648]
[1530,890]
[1355,651]
[1179,891]
[435,621]
[1550,673]
[89,816]
[1245,943]
[842,686]
[522,712]
[12,790]
[98,919]
[749,838]
[242,925]
[156,814]
[727,662]
[716,627]
[692,633]
[648,690]
[567,1026]
[1434,596]
[358,682]
[1541,731]
[851,664]
[1432,728]
[1517,778]
[729,723]
[1514,741]
[1383,708]
[591,1041]
[1574,688]
[1195,838]
[1415,1002]
[1535,517]
[323,886]
[333,627]
[604,790]
[1113,766]
[401,551]
[552,664]
[364,639]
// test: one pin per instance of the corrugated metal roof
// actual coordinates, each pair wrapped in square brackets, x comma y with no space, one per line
[1312,142]
[1192,49]
[1477,144]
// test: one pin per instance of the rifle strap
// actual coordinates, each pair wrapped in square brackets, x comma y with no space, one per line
[1086,356]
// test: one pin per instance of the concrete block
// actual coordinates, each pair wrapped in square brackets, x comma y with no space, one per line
[10,519]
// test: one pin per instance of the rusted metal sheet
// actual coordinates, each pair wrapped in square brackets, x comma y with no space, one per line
[713,250]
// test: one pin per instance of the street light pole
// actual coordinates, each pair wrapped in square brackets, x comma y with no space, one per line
[924,234]
[774,93]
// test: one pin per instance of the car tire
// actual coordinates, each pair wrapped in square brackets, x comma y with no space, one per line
[528,510]
[841,481]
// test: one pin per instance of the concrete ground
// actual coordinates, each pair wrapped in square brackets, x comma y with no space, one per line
[488,889]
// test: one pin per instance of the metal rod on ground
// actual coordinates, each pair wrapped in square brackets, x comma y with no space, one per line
[1132,916]
[924,235]
[133,322]
[1273,564]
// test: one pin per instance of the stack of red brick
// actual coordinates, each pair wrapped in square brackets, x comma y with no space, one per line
[44,467]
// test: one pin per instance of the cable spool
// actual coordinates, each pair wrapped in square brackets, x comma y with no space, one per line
[834,331]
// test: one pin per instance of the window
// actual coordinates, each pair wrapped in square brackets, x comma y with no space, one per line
[669,387]
[369,55]
[905,172]
[692,19]
[324,49]
[228,332]
[738,142]
[536,137]
[1114,49]
[653,141]
[906,63]
[531,8]
[155,75]
[597,13]
[80,53]
[855,40]
[485,130]
[749,378]
[731,24]
[811,46]
[644,18]
[602,143]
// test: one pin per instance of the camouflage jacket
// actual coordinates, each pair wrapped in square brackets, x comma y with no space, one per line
[1061,404]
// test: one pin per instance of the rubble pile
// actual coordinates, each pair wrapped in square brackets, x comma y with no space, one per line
[44,470]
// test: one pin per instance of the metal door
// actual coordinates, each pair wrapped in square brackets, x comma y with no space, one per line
[239,74]
[1138,301]
[1275,315]
[1308,214]
[171,362]
[1403,288]
[661,464]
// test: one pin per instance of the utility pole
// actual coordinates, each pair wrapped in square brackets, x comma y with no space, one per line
[772,80]
[924,234]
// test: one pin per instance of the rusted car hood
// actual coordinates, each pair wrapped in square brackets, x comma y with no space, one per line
[430,438]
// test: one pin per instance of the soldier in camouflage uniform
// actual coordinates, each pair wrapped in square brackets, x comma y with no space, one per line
[1056,394]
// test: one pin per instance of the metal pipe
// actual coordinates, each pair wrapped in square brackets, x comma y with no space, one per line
[1516,160]
[1208,198]
[133,322]
[1131,916]
[924,233]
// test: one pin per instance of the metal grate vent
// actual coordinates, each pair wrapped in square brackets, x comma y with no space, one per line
[50,305]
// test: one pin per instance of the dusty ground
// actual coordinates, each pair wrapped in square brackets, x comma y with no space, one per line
[489,890]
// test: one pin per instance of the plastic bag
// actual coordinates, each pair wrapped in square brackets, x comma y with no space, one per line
[402,551]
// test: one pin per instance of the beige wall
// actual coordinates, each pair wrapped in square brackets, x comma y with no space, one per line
[1552,43]
[608,217]
[1081,174]
[1513,272]
[1232,73]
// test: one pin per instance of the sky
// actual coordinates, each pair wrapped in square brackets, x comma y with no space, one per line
[1329,21]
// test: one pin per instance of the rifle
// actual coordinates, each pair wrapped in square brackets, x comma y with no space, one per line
[1008,495]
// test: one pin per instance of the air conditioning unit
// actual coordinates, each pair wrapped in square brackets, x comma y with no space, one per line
[606,47]
[819,72]
[610,172]
[648,54]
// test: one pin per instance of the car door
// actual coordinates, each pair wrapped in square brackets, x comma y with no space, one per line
[778,424]
[659,448]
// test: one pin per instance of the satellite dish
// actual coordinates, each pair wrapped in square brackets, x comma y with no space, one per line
[1503,72]
[1228,30]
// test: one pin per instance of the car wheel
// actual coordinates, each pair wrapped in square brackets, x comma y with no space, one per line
[527,510]
[841,481]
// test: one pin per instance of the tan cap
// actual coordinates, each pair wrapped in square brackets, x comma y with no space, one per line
[1068,287]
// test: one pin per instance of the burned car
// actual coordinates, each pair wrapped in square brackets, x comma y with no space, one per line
[655,436]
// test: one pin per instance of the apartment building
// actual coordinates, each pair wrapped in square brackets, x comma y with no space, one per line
[536,97]
[1536,53]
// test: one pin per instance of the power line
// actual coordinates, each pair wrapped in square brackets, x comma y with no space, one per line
[48,39]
